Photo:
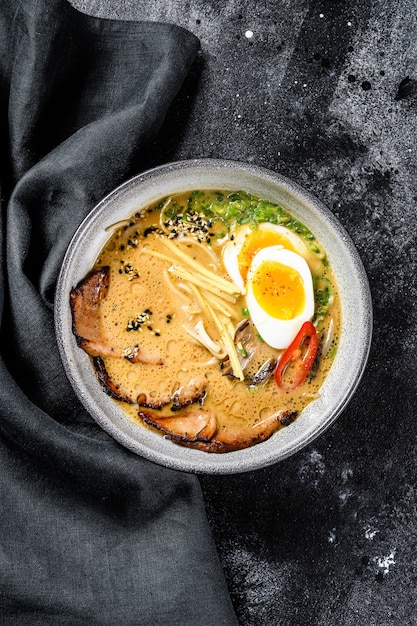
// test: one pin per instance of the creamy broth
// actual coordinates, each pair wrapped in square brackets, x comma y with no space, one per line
[153,303]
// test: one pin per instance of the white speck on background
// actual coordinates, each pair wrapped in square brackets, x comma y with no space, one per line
[249,34]
[317,459]
[344,496]
[349,24]
[332,536]
[384,562]
[321,16]
[312,468]
[370,533]
[347,473]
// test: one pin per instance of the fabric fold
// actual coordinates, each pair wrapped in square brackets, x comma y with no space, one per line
[91,533]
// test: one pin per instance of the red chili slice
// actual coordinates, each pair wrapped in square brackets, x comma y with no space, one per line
[296,361]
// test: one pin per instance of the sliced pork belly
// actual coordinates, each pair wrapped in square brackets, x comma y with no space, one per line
[107,384]
[85,301]
[195,425]
[197,428]
[194,391]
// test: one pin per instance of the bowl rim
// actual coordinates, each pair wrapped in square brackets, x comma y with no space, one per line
[181,458]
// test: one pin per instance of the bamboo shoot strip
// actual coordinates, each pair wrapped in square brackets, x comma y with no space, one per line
[223,284]
[199,281]
[229,346]
[211,283]
[219,304]
[226,332]
[201,301]
[225,335]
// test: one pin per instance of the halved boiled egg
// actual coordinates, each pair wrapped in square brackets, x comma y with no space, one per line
[239,252]
[280,296]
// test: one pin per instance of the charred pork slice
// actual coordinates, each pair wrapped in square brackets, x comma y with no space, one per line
[194,426]
[192,392]
[107,384]
[197,428]
[85,301]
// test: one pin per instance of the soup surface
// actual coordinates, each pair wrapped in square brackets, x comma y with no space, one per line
[211,316]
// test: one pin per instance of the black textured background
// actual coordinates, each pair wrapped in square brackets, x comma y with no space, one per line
[325,93]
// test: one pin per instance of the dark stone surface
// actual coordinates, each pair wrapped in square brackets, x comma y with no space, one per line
[325,93]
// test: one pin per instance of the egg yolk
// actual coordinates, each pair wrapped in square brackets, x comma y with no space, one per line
[257,240]
[279,290]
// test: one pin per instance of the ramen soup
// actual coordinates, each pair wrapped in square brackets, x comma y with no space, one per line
[211,317]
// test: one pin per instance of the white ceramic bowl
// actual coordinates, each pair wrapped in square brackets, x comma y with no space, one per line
[356,332]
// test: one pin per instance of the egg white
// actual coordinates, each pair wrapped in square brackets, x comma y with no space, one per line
[233,247]
[276,332]
[230,256]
